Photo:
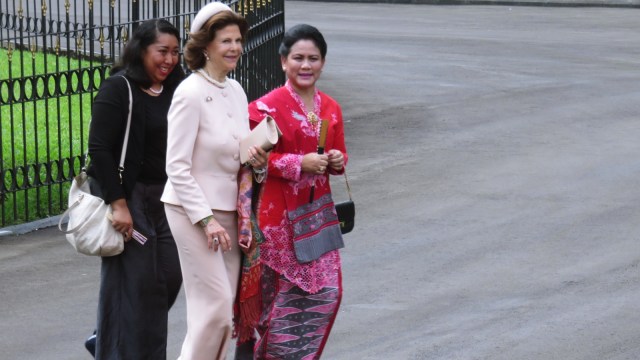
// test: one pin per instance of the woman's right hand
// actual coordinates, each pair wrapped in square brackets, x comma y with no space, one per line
[121,218]
[314,163]
[257,157]
[217,236]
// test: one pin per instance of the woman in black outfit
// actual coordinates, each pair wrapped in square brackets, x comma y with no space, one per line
[137,287]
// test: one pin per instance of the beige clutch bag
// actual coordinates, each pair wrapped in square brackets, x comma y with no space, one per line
[265,135]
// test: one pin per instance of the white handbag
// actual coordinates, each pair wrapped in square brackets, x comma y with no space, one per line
[89,229]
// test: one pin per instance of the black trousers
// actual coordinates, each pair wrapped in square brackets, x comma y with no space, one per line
[139,286]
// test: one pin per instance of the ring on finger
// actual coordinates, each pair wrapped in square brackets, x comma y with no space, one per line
[216,241]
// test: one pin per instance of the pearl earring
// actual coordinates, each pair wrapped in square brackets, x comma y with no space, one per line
[206,56]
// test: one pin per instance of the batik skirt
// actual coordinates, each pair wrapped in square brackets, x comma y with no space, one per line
[295,324]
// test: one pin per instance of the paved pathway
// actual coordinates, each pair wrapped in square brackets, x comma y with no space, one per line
[496,175]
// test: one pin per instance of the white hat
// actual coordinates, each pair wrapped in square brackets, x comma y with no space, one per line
[206,13]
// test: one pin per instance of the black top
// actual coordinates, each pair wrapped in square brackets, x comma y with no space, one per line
[146,151]
[155,147]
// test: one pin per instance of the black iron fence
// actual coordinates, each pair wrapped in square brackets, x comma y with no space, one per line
[54,55]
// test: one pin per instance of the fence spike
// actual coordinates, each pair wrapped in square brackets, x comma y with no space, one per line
[101,39]
[10,51]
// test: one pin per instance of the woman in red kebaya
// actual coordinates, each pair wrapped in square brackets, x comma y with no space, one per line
[301,285]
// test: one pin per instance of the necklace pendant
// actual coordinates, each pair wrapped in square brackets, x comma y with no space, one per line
[312,118]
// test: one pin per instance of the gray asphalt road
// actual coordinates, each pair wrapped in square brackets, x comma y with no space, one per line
[494,164]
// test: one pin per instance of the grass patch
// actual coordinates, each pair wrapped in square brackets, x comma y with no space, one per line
[39,134]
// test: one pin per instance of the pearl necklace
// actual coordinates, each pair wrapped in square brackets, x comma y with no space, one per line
[215,82]
[157,92]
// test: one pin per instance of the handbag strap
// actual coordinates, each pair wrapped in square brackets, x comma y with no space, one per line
[346,180]
[126,134]
[66,213]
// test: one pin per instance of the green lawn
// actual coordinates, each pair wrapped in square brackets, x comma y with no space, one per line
[41,131]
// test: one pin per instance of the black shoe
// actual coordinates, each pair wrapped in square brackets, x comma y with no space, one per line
[90,344]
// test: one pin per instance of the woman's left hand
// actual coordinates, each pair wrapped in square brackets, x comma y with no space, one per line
[336,159]
[257,157]
[217,236]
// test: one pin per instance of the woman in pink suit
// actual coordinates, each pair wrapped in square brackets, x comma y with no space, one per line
[207,119]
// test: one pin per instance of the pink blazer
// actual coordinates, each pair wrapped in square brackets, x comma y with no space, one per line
[205,125]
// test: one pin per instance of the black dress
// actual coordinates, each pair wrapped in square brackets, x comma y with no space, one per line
[139,286]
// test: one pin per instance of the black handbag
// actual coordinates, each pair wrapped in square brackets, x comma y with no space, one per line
[346,211]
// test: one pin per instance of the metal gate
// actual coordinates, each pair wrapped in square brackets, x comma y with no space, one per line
[54,55]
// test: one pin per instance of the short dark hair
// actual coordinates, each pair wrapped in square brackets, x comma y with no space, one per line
[132,58]
[302,32]
[198,41]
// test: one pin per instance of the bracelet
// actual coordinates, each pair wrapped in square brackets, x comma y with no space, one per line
[260,171]
[260,177]
[205,221]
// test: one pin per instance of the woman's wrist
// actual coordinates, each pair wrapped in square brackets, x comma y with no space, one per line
[205,221]
[119,204]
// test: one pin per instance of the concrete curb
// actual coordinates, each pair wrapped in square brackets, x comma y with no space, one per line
[29,227]
[550,3]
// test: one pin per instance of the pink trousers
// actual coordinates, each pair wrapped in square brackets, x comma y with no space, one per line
[210,282]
